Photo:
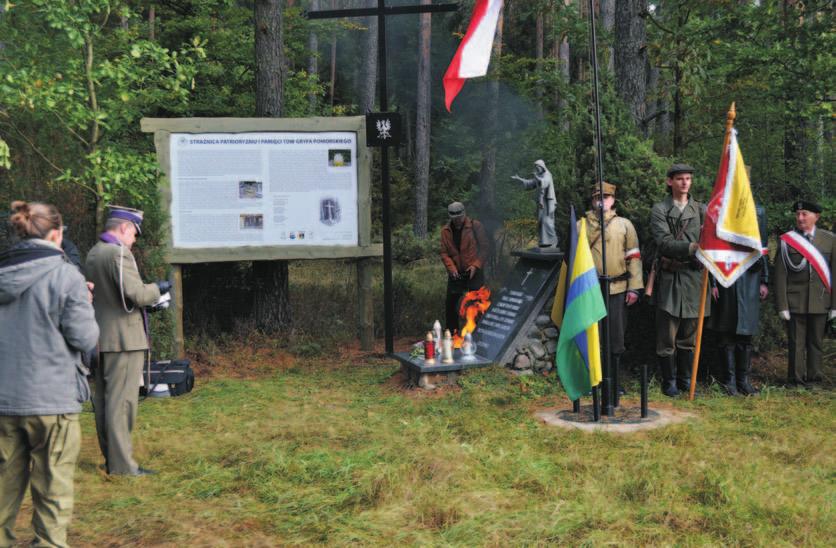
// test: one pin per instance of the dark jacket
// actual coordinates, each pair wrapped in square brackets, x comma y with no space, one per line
[46,320]
[737,310]
[473,250]
[678,292]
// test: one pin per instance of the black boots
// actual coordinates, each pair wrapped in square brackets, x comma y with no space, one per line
[743,365]
[667,370]
[683,369]
[727,375]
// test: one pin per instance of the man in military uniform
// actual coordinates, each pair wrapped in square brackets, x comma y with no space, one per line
[464,252]
[675,225]
[119,302]
[624,266]
[804,292]
[735,316]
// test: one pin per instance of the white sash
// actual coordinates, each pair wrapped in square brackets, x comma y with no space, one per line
[809,251]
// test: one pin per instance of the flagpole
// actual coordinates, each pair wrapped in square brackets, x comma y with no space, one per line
[730,116]
[608,388]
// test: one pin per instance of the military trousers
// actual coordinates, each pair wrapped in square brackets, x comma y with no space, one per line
[40,451]
[674,333]
[617,313]
[806,336]
[115,400]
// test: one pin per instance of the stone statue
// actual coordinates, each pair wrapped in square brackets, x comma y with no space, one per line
[545,199]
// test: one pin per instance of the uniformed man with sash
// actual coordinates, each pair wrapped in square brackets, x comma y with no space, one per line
[675,225]
[119,301]
[624,265]
[804,291]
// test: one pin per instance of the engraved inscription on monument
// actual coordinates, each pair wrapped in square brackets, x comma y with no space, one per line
[511,305]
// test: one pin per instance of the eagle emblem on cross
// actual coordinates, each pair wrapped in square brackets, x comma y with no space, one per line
[384,127]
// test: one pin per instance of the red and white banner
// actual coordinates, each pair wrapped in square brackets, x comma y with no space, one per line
[474,53]
[809,252]
[730,241]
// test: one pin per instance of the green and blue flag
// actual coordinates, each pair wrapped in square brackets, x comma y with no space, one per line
[578,306]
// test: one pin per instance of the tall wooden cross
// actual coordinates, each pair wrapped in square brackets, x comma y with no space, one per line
[381,11]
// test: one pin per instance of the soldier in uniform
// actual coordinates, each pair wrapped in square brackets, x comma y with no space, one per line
[735,317]
[804,292]
[119,302]
[464,252]
[675,225]
[624,265]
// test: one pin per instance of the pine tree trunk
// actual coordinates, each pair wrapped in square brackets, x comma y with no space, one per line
[368,88]
[564,67]
[607,8]
[422,125]
[269,58]
[313,60]
[271,303]
[538,55]
[631,57]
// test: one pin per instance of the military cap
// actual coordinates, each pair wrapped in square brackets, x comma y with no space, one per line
[679,168]
[456,209]
[126,214]
[609,189]
[798,205]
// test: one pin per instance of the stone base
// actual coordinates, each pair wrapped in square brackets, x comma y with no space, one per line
[627,418]
[428,376]
[428,381]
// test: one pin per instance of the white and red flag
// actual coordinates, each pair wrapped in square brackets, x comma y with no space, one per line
[730,241]
[474,53]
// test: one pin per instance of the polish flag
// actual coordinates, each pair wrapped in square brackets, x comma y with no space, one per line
[474,53]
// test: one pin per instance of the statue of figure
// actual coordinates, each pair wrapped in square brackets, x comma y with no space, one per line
[545,199]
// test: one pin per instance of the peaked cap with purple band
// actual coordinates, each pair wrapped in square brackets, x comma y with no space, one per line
[126,214]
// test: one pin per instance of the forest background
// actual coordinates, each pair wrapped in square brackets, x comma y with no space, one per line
[76,76]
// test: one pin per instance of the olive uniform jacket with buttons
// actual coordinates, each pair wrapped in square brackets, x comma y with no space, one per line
[112,269]
[678,292]
[804,292]
[623,259]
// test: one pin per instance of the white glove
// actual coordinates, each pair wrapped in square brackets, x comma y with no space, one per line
[785,315]
[832,314]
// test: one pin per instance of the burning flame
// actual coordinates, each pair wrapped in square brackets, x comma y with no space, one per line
[474,304]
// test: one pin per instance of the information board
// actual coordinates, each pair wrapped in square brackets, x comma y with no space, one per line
[264,188]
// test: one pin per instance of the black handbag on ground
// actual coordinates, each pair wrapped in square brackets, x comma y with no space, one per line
[177,374]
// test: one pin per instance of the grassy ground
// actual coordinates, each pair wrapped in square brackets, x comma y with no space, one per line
[272,449]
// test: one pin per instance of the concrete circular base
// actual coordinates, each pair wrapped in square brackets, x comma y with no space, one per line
[627,419]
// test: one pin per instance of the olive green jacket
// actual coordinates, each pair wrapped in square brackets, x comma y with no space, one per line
[804,292]
[678,293]
[120,322]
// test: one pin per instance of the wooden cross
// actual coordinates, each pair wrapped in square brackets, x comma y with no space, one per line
[381,12]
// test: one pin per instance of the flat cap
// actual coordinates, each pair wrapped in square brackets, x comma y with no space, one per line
[679,168]
[609,189]
[456,209]
[798,205]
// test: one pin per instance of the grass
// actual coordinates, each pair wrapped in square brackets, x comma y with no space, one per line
[274,449]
